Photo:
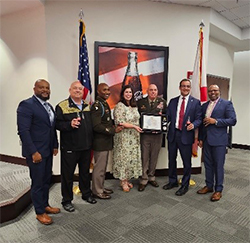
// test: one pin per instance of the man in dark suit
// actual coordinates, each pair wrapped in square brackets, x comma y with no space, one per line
[36,128]
[184,115]
[217,115]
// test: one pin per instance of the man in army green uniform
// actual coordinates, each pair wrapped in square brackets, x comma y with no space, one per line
[150,142]
[104,130]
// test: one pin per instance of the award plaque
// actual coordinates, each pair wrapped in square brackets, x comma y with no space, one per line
[154,123]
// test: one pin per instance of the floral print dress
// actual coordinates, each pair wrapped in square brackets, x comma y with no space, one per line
[127,150]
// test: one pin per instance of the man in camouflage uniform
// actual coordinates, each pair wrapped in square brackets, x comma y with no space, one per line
[150,142]
[104,130]
[74,123]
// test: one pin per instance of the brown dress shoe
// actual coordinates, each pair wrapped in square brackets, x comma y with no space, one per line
[154,183]
[51,210]
[102,196]
[141,187]
[107,191]
[205,190]
[44,219]
[216,196]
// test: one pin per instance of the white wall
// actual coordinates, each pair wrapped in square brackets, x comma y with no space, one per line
[44,44]
[241,97]
[23,60]
[220,60]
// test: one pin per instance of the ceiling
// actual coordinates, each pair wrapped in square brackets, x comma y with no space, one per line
[236,11]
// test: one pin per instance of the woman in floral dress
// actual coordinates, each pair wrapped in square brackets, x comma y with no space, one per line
[127,151]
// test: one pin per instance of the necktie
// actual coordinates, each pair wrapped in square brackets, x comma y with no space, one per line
[210,108]
[152,104]
[181,114]
[49,111]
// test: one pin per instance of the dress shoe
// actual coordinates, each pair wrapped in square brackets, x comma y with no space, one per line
[205,190]
[170,186]
[102,196]
[216,196]
[51,210]
[90,200]
[141,187]
[154,183]
[183,190]
[44,219]
[69,207]
[107,191]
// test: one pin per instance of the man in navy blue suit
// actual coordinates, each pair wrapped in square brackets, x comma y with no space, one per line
[36,128]
[217,115]
[184,115]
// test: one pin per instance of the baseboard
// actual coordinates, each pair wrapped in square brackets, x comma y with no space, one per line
[13,159]
[241,146]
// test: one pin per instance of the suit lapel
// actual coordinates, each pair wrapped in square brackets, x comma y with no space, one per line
[189,105]
[216,106]
[43,110]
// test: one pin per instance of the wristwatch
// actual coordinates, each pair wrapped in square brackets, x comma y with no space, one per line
[216,122]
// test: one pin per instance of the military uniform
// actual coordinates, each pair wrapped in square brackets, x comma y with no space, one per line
[104,131]
[150,142]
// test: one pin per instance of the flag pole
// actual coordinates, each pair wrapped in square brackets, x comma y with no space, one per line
[76,189]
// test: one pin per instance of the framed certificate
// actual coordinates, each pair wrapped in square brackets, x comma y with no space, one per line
[152,123]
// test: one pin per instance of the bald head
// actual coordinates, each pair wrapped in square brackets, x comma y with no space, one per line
[213,92]
[152,91]
[76,91]
[42,89]
[103,91]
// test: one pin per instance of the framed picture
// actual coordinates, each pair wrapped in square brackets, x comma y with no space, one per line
[117,64]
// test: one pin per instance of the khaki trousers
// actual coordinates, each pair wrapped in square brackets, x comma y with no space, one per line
[150,146]
[99,171]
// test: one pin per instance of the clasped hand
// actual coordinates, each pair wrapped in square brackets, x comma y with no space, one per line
[208,120]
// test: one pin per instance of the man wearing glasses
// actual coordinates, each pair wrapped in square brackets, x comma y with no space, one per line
[184,115]
[217,115]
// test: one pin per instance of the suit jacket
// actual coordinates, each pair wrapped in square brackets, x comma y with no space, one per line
[35,129]
[193,111]
[224,113]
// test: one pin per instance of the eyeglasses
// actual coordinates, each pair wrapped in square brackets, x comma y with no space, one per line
[210,91]
[185,86]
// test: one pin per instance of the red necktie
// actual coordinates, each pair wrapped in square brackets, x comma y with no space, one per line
[181,114]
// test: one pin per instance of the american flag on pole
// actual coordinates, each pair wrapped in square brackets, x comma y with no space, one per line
[199,77]
[199,81]
[83,71]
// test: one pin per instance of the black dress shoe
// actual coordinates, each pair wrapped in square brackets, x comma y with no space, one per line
[69,207]
[154,183]
[170,186]
[107,191]
[102,196]
[183,190]
[90,200]
[141,187]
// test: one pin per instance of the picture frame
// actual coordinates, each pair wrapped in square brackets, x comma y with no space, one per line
[111,66]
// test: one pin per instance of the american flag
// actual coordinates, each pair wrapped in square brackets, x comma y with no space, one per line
[83,71]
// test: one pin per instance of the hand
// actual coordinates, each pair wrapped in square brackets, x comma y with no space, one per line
[200,144]
[37,157]
[119,128]
[138,129]
[208,120]
[190,126]
[76,122]
[55,152]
